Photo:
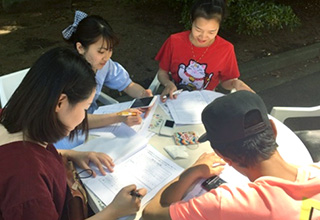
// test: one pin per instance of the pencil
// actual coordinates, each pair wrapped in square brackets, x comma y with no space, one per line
[127,113]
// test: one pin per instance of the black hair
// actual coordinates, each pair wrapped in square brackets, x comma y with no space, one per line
[208,9]
[31,109]
[89,31]
[253,149]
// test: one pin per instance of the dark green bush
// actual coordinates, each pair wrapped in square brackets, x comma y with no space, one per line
[254,17]
[251,17]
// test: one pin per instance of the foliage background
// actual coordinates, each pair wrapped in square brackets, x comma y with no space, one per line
[142,29]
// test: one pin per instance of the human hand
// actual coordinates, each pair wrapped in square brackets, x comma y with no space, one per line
[209,164]
[125,204]
[240,85]
[83,158]
[132,119]
[147,93]
[146,111]
[169,89]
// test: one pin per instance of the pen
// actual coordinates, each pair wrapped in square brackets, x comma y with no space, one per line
[216,165]
[177,92]
[127,113]
[135,193]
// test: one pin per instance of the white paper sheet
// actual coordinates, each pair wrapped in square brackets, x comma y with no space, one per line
[188,106]
[121,129]
[107,109]
[146,168]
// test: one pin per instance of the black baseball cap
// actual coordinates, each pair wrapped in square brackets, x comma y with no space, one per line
[234,117]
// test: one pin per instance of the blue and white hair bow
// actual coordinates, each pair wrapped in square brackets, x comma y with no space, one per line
[67,33]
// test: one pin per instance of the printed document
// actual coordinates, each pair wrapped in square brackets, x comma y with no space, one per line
[121,129]
[188,106]
[136,162]
[229,174]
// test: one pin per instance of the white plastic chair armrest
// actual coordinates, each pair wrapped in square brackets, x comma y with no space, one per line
[154,84]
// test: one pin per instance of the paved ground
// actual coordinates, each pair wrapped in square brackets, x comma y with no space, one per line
[288,79]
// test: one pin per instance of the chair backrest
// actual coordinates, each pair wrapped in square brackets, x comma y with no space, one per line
[282,113]
[310,138]
[9,83]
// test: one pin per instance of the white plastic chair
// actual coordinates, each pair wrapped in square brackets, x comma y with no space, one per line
[282,113]
[154,86]
[106,100]
[9,83]
[310,138]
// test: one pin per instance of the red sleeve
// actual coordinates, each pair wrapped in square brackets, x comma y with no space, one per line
[164,55]
[231,68]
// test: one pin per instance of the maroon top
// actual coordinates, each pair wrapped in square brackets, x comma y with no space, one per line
[33,182]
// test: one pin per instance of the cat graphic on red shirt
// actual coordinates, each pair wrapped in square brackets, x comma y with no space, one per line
[194,75]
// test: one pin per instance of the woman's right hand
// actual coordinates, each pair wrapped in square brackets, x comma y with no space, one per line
[169,89]
[125,204]
[132,119]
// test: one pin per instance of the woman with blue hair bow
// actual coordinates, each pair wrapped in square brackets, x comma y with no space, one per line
[94,38]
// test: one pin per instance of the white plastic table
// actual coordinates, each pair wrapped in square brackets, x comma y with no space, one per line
[290,148]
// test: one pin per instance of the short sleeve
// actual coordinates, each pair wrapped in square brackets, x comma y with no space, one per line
[231,70]
[113,76]
[117,77]
[164,55]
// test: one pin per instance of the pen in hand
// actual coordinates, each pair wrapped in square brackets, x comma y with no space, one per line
[127,113]
[135,194]
[177,92]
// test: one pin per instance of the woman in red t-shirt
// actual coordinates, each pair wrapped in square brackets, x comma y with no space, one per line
[199,59]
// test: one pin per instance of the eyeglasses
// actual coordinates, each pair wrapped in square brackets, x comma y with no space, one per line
[84,174]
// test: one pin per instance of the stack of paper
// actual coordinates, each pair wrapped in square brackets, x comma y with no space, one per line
[188,106]
[121,129]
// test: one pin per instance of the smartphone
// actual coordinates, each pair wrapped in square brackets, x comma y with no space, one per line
[143,102]
[167,128]
[212,183]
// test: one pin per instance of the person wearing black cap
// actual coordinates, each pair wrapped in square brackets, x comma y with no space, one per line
[240,132]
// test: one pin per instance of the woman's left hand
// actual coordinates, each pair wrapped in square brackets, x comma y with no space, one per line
[83,158]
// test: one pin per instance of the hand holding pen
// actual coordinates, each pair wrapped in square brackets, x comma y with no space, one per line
[127,201]
[174,94]
[130,116]
[126,113]
[135,193]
